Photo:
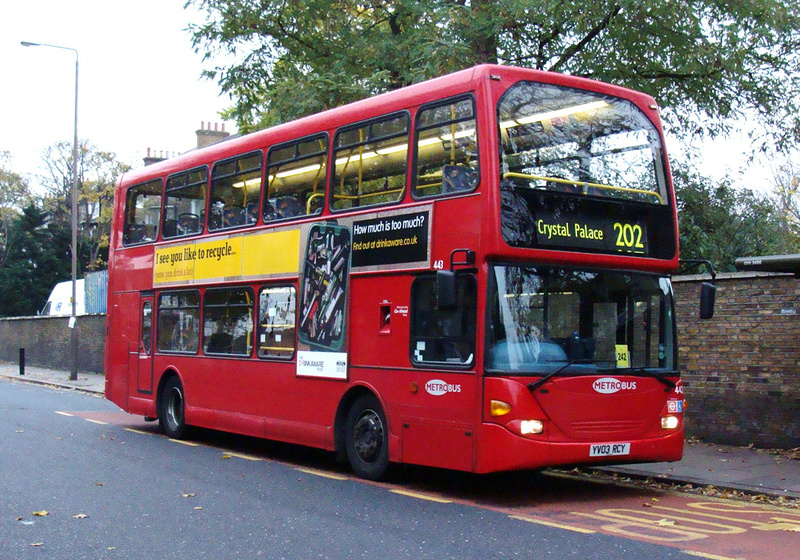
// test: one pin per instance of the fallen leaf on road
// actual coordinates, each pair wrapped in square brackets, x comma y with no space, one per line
[37,544]
[42,513]
[189,495]
[666,522]
[80,516]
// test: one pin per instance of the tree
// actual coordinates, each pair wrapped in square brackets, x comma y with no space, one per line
[40,258]
[720,223]
[97,173]
[787,194]
[706,61]
[14,194]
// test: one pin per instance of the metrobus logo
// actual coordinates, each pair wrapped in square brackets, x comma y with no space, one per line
[437,387]
[609,385]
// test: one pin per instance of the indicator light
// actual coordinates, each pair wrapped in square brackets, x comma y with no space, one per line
[499,408]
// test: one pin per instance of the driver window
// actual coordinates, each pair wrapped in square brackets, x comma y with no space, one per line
[443,336]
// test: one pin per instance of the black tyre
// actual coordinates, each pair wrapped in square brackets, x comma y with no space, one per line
[171,410]
[366,438]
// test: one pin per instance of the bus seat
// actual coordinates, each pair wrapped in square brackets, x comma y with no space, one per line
[135,233]
[580,348]
[170,228]
[289,207]
[456,178]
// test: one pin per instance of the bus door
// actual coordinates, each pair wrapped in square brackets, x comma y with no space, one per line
[144,365]
[440,431]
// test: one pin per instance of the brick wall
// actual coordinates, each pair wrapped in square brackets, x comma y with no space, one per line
[47,341]
[741,369]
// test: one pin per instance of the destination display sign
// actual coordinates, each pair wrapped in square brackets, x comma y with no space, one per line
[547,220]
[598,234]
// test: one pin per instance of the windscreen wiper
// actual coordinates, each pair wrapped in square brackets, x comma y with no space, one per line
[532,386]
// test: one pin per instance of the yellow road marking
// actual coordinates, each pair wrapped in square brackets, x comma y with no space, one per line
[628,526]
[188,443]
[551,524]
[138,431]
[96,422]
[227,454]
[422,496]
[710,556]
[775,523]
[323,474]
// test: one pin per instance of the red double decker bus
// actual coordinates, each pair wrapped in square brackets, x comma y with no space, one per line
[468,273]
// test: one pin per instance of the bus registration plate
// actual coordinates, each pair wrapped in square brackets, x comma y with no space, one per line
[609,449]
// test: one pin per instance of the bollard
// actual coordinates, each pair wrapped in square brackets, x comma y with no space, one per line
[22,361]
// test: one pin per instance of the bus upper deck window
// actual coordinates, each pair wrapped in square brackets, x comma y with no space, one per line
[371,163]
[235,192]
[447,149]
[296,174]
[142,213]
[185,204]
[579,142]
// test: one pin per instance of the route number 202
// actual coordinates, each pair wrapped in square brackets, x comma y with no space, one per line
[629,237]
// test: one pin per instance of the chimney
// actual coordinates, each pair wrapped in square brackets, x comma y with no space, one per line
[151,159]
[206,136]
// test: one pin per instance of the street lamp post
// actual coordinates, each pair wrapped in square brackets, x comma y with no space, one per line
[73,321]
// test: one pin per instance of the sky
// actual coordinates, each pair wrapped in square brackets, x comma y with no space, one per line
[140,85]
[139,79]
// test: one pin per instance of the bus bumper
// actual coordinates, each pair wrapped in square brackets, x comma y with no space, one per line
[501,450]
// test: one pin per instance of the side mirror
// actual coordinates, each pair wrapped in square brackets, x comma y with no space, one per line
[446,294]
[707,295]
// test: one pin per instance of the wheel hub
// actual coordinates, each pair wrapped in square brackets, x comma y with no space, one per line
[368,436]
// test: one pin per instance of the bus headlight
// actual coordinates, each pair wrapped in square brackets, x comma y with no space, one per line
[669,422]
[528,427]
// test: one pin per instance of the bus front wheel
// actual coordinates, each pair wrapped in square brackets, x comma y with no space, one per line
[171,409]
[367,438]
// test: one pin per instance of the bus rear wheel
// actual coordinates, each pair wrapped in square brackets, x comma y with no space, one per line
[367,438]
[171,410]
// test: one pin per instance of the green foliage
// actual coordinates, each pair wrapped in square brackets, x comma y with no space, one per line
[14,194]
[36,235]
[721,223]
[97,173]
[787,193]
[38,259]
[706,61]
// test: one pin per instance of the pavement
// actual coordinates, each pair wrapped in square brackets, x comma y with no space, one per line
[704,465]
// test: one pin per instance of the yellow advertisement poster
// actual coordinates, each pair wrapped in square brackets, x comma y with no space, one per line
[227,258]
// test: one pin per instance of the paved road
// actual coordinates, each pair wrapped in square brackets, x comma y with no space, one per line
[113,487]
[721,467]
